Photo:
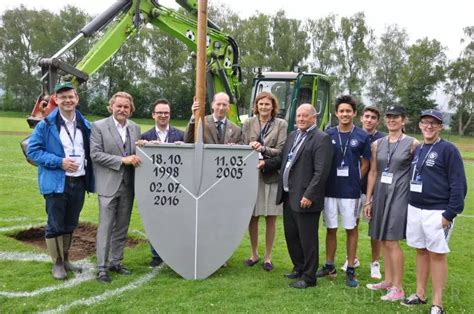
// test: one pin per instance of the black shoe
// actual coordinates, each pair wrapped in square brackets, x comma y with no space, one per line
[329,271]
[155,262]
[293,275]
[120,269]
[103,276]
[301,284]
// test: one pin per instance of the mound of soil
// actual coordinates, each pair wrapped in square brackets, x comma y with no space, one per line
[83,240]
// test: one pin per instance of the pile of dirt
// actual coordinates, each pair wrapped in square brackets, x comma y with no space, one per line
[83,240]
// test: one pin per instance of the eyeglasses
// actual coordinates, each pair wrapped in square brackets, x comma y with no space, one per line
[161,113]
[64,98]
[430,123]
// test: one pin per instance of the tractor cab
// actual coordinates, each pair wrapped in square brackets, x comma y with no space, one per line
[293,89]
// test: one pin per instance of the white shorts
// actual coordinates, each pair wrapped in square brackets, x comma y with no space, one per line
[425,230]
[348,208]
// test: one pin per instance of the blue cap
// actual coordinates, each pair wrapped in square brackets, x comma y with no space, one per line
[432,113]
[63,86]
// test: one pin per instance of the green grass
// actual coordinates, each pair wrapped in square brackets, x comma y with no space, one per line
[232,289]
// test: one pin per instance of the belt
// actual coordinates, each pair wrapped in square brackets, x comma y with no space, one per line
[71,179]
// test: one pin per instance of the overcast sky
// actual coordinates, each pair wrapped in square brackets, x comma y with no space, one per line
[442,20]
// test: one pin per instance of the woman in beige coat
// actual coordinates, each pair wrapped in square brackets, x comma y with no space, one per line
[266,134]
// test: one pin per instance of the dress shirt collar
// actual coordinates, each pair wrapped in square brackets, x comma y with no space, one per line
[224,121]
[118,125]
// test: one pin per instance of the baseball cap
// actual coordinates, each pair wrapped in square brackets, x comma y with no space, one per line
[63,86]
[432,113]
[396,110]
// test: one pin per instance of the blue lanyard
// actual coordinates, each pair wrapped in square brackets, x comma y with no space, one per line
[298,141]
[390,153]
[72,139]
[420,167]
[127,139]
[344,150]
[264,130]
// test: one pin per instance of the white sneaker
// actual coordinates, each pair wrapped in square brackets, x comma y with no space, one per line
[375,270]
[356,264]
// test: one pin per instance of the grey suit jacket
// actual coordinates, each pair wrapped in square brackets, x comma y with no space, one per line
[273,141]
[233,134]
[107,152]
[309,171]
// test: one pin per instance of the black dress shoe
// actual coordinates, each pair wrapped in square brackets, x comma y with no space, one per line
[301,284]
[103,276]
[119,269]
[293,275]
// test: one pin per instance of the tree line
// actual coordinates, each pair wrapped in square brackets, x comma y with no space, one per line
[386,70]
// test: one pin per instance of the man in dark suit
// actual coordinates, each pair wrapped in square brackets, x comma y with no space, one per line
[114,160]
[218,129]
[304,167]
[162,132]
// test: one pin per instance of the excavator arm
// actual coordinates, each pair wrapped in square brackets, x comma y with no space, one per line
[123,20]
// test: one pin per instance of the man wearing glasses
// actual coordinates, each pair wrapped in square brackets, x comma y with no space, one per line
[60,147]
[162,132]
[437,191]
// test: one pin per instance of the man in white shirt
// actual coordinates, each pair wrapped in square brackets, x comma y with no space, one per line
[59,146]
[113,156]
[162,132]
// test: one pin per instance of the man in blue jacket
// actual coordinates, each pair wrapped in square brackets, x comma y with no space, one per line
[162,132]
[59,146]
[437,191]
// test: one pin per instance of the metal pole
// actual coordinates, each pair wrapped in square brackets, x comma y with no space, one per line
[201,66]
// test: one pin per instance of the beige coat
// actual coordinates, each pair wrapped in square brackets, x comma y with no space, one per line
[273,141]
[233,134]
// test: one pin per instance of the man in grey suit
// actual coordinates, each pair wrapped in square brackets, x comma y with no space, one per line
[218,129]
[304,165]
[114,160]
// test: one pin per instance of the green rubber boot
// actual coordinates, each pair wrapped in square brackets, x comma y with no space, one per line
[68,266]
[56,251]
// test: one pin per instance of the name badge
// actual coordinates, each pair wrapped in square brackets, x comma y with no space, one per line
[342,171]
[416,186]
[387,177]
[77,158]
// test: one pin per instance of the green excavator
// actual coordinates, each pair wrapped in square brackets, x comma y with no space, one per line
[126,17]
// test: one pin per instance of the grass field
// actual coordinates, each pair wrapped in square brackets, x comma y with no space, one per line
[27,286]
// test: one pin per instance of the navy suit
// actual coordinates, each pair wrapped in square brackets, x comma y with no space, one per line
[174,135]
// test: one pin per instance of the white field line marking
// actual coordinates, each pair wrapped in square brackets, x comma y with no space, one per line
[88,273]
[108,294]
[24,257]
[7,229]
[20,219]
[466,216]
